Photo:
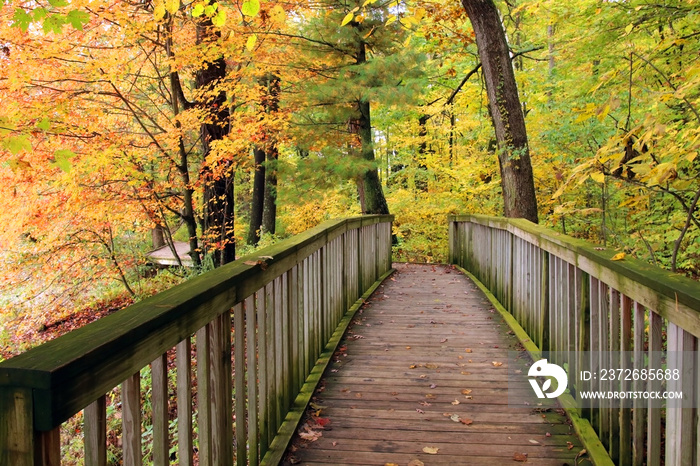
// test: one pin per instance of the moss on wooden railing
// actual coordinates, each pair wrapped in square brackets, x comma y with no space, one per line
[45,386]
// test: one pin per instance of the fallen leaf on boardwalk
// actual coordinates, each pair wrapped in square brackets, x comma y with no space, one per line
[408,347]
[466,422]
[522,457]
[416,463]
[497,364]
[412,366]
[535,442]
[466,373]
[618,257]
[431,450]
[429,395]
[432,385]
[547,434]
[581,453]
[431,366]
[468,350]
[569,445]
[455,402]
[469,397]
[335,444]
[466,391]
[444,340]
[420,411]
[358,395]
[311,435]
[455,418]
[425,403]
[323,421]
[391,464]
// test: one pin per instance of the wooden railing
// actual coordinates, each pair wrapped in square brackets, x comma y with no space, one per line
[252,330]
[571,298]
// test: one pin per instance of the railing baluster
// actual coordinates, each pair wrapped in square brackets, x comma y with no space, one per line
[204,437]
[270,366]
[131,420]
[613,361]
[159,403]
[263,407]
[95,427]
[239,385]
[639,411]
[252,373]
[680,441]
[654,413]
[49,447]
[184,402]
[625,458]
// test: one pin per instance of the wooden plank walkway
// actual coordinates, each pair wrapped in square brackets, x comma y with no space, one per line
[418,380]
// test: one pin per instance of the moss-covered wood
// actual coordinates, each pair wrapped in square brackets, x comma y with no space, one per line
[67,374]
[672,296]
[598,306]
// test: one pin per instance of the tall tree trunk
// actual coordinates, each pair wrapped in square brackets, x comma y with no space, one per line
[270,104]
[421,173]
[187,214]
[509,122]
[256,203]
[375,202]
[218,180]
[269,218]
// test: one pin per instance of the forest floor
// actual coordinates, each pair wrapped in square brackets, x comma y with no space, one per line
[16,342]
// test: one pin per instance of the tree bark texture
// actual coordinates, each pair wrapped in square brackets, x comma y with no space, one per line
[375,202]
[218,181]
[509,122]
[187,214]
[269,218]
[256,203]
[270,104]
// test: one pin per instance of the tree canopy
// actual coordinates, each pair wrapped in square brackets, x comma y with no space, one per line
[125,121]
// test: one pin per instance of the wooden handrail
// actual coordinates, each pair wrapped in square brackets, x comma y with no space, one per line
[313,277]
[575,302]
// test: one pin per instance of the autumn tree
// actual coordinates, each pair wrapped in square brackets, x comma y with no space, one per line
[517,180]
[355,62]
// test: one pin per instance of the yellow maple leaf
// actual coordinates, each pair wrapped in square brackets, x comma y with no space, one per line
[618,257]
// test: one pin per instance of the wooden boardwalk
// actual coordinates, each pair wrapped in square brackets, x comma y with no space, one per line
[421,378]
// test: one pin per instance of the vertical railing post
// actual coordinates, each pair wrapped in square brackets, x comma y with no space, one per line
[95,429]
[16,427]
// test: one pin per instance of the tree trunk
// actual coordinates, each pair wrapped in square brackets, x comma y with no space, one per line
[270,104]
[183,164]
[218,180]
[375,202]
[509,122]
[270,200]
[256,203]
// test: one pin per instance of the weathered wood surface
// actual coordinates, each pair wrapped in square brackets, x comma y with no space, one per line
[571,296]
[393,387]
